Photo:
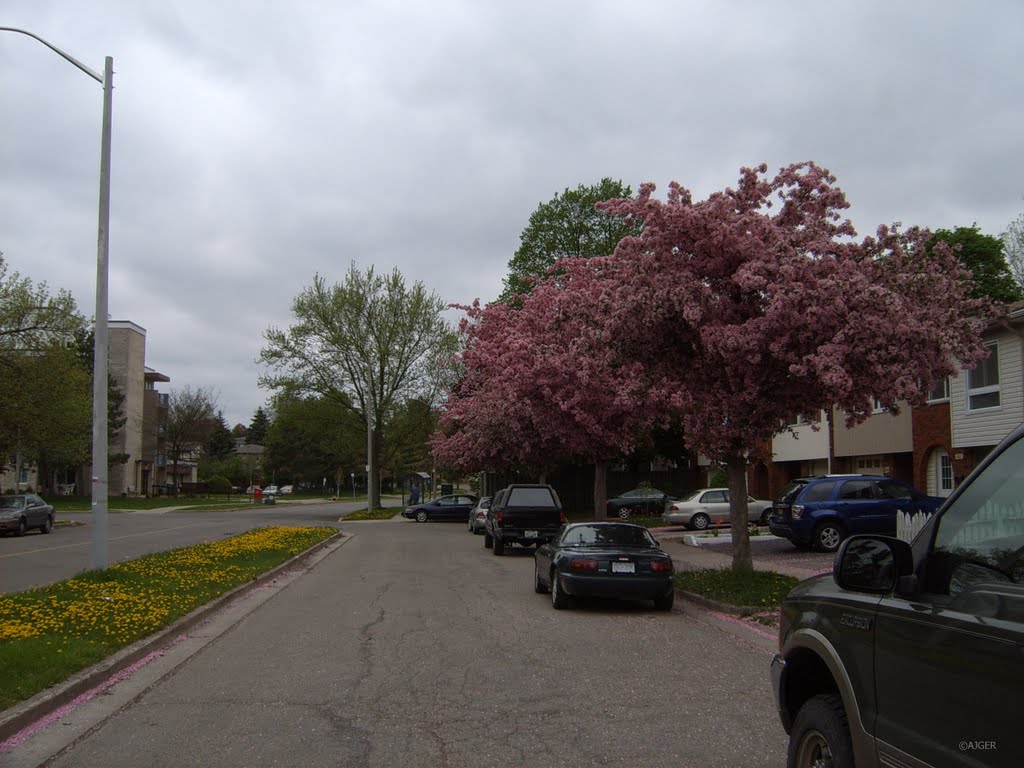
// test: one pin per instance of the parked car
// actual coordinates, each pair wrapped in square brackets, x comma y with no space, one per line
[286,489]
[868,654]
[822,511]
[639,502]
[478,515]
[526,514]
[252,489]
[271,490]
[610,559]
[710,506]
[21,511]
[453,507]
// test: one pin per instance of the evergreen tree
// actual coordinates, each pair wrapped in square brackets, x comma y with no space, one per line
[257,434]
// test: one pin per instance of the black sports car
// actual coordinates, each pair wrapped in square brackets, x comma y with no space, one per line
[618,560]
[640,502]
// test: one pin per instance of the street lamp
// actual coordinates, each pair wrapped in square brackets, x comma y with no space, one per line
[99,380]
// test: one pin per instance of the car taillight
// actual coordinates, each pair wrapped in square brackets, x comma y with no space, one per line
[797,510]
[673,508]
[583,564]
[661,566]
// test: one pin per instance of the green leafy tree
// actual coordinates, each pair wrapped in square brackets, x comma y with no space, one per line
[983,255]
[313,438]
[369,343]
[220,444]
[40,386]
[257,432]
[567,226]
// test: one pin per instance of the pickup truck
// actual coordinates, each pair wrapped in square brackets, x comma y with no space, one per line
[522,514]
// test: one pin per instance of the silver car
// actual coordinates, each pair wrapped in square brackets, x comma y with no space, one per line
[20,512]
[710,506]
[478,515]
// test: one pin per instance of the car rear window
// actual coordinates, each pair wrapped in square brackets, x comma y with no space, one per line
[530,497]
[609,536]
[790,491]
[820,491]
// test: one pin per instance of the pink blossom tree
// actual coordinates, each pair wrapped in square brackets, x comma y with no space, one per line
[542,385]
[758,303]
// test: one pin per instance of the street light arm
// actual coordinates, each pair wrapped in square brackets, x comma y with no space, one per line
[66,56]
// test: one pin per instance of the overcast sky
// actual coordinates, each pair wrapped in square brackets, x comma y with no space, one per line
[256,144]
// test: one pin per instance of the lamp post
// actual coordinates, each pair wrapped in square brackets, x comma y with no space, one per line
[99,374]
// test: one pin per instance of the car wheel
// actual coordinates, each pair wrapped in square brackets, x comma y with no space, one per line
[559,599]
[827,536]
[821,735]
[488,540]
[664,602]
[763,520]
[421,516]
[538,585]
[47,525]
[22,527]
[700,521]
[625,512]
[499,546]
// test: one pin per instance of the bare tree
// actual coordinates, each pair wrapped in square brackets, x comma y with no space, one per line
[191,415]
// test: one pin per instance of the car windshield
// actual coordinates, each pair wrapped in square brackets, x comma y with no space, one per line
[12,502]
[608,536]
[639,493]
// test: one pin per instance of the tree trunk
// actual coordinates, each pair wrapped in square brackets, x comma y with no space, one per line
[736,470]
[601,490]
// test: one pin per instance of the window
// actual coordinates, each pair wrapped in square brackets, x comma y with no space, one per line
[890,489]
[945,473]
[983,381]
[939,391]
[714,497]
[856,489]
[877,406]
[820,491]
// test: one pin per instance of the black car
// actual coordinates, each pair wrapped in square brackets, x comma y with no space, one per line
[639,502]
[616,560]
[454,507]
[872,656]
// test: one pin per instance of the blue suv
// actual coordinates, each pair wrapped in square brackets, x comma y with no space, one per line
[821,511]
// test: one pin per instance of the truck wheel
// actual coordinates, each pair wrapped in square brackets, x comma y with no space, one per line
[821,734]
[488,541]
[828,535]
[499,546]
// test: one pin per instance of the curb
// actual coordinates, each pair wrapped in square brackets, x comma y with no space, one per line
[714,605]
[25,713]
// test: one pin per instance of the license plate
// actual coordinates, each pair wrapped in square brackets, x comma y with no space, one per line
[530,534]
[623,568]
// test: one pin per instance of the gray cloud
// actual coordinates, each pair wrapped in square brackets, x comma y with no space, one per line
[254,148]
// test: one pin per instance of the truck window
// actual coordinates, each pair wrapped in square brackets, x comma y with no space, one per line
[530,497]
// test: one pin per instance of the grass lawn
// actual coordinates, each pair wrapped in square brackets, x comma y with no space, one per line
[48,634]
[759,590]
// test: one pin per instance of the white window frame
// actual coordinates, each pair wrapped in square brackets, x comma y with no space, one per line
[973,392]
[945,473]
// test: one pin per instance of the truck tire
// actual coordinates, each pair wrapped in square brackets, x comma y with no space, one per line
[499,546]
[821,734]
[488,540]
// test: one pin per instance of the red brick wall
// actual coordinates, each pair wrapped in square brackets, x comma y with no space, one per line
[931,429]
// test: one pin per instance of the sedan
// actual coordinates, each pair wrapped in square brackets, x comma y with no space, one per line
[19,512]
[454,507]
[640,502]
[711,506]
[610,560]
[478,515]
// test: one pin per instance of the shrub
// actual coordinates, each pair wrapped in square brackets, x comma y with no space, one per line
[218,484]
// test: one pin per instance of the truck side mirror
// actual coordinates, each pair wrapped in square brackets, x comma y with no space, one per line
[872,564]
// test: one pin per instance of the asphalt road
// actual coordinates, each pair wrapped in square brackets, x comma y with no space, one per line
[411,644]
[36,559]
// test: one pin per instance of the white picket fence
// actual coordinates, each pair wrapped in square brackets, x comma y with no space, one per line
[908,524]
